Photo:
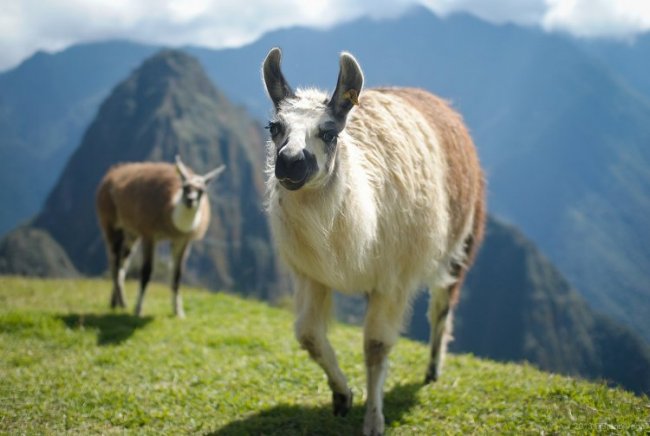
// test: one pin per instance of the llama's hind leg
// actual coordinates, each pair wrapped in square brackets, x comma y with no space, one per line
[313,307]
[180,251]
[440,319]
[115,241]
[383,323]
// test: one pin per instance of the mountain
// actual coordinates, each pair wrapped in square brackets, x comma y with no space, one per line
[27,251]
[45,105]
[548,322]
[516,306]
[169,106]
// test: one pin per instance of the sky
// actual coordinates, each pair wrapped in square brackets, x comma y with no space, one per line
[27,26]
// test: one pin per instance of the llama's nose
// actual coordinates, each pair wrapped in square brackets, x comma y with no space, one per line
[291,166]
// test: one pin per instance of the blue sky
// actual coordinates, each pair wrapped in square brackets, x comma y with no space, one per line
[30,25]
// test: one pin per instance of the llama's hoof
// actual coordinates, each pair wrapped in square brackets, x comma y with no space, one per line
[432,374]
[117,302]
[342,403]
[373,423]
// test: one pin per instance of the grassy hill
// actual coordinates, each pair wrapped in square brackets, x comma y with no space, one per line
[70,365]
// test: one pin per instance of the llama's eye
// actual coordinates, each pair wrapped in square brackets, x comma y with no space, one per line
[274,128]
[328,136]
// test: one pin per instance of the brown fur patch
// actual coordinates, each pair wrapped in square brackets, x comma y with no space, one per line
[465,182]
[309,343]
[464,176]
[376,351]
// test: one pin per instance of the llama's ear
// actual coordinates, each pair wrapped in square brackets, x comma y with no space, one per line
[348,88]
[276,86]
[213,174]
[182,169]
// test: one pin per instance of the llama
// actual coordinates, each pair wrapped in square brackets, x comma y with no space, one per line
[382,199]
[149,202]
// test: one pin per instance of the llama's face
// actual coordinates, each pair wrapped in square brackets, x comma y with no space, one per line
[193,185]
[303,139]
[306,126]
[192,191]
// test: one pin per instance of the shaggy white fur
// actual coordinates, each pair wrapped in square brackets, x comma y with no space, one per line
[187,219]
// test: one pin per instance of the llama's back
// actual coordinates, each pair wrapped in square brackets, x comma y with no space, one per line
[464,177]
[422,164]
[138,197]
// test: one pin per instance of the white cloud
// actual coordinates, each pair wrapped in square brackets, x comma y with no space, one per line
[30,25]
[598,18]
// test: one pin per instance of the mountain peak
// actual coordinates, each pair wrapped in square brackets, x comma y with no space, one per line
[175,59]
[169,64]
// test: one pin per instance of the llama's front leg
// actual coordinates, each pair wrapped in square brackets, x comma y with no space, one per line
[180,251]
[381,330]
[313,307]
[145,274]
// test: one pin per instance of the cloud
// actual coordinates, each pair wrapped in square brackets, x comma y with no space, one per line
[30,25]
[598,18]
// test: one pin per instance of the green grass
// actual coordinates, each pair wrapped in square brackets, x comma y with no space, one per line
[68,364]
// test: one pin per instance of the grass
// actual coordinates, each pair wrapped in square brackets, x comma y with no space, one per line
[68,364]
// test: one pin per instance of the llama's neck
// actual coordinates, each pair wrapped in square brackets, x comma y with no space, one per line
[186,219]
[348,187]
[328,229]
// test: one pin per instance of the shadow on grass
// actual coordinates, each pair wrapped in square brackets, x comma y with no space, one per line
[286,419]
[112,328]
